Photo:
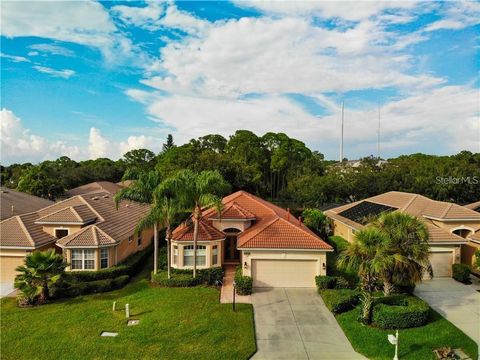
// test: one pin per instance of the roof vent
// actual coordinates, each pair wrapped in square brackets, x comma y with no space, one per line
[95,198]
[105,196]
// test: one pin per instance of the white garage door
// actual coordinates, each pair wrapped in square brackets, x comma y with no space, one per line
[284,273]
[441,263]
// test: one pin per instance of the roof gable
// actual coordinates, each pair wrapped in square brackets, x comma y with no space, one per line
[90,236]
[77,214]
[206,232]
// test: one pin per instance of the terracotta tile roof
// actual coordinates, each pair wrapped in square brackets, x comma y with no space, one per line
[234,211]
[22,203]
[475,237]
[90,236]
[474,206]
[274,227]
[206,232]
[97,186]
[77,214]
[416,205]
[21,231]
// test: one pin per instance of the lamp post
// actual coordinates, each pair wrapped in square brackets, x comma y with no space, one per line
[233,303]
[393,339]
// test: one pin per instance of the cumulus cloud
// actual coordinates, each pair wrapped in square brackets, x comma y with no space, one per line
[65,73]
[51,49]
[145,17]
[458,15]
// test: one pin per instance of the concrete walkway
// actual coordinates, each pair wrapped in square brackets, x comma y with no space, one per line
[7,289]
[296,324]
[226,292]
[458,303]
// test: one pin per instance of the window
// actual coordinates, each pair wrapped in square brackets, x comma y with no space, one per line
[60,233]
[175,254]
[188,255]
[104,258]
[214,254]
[139,239]
[83,259]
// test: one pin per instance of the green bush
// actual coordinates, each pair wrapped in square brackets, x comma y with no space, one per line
[177,279]
[212,276]
[339,244]
[331,282]
[243,284]
[477,259]
[64,289]
[400,312]
[461,272]
[341,300]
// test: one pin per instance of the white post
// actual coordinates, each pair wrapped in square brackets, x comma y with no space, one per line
[127,311]
[114,307]
[396,347]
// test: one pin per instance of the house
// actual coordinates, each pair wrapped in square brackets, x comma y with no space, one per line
[449,225]
[97,186]
[88,229]
[473,244]
[17,203]
[272,246]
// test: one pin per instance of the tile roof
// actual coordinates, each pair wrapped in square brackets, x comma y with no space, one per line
[416,205]
[274,227]
[234,211]
[21,231]
[97,186]
[206,232]
[97,207]
[77,214]
[474,206]
[17,203]
[90,236]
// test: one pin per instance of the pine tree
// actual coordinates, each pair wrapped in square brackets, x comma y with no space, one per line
[169,144]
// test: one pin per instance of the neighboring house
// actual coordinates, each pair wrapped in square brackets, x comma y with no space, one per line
[89,230]
[448,224]
[17,203]
[468,250]
[272,246]
[97,186]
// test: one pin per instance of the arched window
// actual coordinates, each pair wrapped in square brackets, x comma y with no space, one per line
[462,232]
[232,231]
[188,255]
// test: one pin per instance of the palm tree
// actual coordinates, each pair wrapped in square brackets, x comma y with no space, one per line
[407,247]
[142,191]
[41,269]
[195,191]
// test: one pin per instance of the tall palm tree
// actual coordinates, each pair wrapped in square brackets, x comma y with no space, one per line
[142,191]
[41,269]
[407,247]
[195,191]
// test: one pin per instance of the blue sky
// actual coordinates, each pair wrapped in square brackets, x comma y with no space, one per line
[90,79]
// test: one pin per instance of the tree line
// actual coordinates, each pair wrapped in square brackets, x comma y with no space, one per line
[273,166]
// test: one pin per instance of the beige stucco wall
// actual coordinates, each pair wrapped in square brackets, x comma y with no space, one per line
[468,252]
[231,224]
[340,229]
[50,229]
[208,254]
[249,255]
[125,249]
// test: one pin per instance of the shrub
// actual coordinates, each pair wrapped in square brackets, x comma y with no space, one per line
[477,259]
[400,312]
[62,288]
[331,282]
[243,284]
[339,301]
[177,279]
[212,276]
[461,272]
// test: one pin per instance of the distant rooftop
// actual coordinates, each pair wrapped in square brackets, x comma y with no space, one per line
[17,203]
[97,186]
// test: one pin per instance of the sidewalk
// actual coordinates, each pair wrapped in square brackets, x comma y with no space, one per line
[226,292]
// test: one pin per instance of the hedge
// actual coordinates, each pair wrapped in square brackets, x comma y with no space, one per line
[243,284]
[331,282]
[461,272]
[341,300]
[62,288]
[400,312]
[184,278]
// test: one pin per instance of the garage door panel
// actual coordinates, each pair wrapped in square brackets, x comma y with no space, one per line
[441,263]
[284,273]
[8,264]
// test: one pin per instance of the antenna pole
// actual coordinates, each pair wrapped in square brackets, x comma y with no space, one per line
[378,133]
[341,133]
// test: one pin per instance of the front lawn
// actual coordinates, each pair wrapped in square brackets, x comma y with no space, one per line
[186,323]
[414,343]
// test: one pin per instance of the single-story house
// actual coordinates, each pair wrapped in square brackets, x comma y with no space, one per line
[270,244]
[88,229]
[16,203]
[449,224]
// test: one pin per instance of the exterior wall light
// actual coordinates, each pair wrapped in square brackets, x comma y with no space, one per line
[324,267]
[245,265]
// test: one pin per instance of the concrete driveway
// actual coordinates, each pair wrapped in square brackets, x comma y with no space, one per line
[458,303]
[296,324]
[6,289]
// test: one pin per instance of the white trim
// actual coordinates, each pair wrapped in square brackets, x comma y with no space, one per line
[462,227]
[276,249]
[19,247]
[208,242]
[85,247]
[232,220]
[95,267]
[449,220]
[62,223]
[474,241]
[447,243]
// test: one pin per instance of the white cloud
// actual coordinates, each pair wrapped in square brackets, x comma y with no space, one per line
[65,73]
[14,58]
[457,15]
[52,49]
[145,17]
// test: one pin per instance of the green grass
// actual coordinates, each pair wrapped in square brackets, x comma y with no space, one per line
[186,323]
[414,343]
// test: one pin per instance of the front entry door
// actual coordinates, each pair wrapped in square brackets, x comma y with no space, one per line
[231,252]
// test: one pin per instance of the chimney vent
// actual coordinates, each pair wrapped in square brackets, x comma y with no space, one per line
[300,220]
[288,214]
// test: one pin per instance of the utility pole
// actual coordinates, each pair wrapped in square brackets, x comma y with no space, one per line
[341,133]
[378,134]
